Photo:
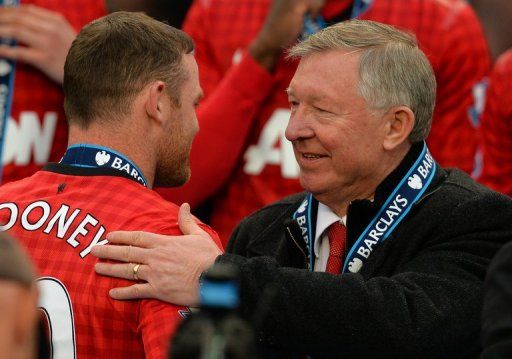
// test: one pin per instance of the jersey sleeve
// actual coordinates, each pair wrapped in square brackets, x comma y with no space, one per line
[226,115]
[157,324]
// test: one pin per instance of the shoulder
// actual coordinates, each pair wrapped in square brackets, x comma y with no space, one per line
[459,185]
[266,223]
[274,211]
[459,201]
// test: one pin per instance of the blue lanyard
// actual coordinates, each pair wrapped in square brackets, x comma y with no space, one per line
[360,7]
[311,26]
[93,156]
[392,212]
[7,71]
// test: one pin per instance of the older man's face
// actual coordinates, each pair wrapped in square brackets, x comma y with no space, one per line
[337,140]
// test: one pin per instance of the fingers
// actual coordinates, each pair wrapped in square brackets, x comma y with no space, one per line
[22,34]
[137,238]
[32,19]
[186,221]
[23,54]
[128,254]
[136,291]
[124,270]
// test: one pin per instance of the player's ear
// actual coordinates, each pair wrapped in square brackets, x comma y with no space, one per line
[399,124]
[155,101]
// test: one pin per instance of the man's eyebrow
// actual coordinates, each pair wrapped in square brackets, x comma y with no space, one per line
[289,91]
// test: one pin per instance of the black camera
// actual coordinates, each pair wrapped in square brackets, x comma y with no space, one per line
[216,330]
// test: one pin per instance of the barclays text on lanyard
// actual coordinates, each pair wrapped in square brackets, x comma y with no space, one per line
[7,70]
[393,211]
[94,156]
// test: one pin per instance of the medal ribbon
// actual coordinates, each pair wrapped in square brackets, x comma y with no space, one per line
[396,207]
[93,156]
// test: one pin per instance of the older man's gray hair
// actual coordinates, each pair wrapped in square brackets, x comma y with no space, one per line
[393,70]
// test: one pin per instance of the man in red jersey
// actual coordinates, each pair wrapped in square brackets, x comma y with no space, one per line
[497,128]
[36,131]
[244,74]
[131,86]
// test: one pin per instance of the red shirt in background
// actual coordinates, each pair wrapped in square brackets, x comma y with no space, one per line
[497,128]
[37,131]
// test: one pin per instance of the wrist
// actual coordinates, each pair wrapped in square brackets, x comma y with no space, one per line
[266,56]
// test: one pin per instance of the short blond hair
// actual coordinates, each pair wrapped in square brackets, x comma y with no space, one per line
[393,71]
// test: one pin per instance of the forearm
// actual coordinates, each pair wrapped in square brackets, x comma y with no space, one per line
[318,312]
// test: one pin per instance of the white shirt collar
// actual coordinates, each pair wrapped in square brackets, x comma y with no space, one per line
[324,218]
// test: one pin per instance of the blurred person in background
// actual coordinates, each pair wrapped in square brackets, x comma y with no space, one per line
[495,16]
[496,131]
[171,12]
[241,154]
[36,131]
[18,299]
[131,125]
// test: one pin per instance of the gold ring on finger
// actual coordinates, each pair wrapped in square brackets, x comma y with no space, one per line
[135,270]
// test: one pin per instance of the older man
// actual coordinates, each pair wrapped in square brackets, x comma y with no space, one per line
[385,254]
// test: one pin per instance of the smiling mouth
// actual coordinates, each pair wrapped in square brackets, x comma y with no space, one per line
[312,156]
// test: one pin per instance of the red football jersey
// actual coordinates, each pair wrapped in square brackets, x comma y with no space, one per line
[497,128]
[37,132]
[58,215]
[245,113]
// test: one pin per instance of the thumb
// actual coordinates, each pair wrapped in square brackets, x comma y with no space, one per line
[186,221]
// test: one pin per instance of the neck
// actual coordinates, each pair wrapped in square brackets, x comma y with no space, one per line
[124,139]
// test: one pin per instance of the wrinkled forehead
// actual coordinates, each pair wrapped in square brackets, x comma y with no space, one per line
[330,71]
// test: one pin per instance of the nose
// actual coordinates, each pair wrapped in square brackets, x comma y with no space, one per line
[299,126]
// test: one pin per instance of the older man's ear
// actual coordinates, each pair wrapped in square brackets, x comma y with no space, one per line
[399,125]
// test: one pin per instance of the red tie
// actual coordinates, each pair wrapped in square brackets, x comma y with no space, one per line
[337,234]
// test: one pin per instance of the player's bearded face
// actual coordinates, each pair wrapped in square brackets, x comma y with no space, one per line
[173,167]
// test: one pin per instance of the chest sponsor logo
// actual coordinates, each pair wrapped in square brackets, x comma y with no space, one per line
[29,138]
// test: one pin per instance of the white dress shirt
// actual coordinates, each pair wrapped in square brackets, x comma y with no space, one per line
[324,218]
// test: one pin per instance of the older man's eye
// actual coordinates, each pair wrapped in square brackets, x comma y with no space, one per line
[320,109]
